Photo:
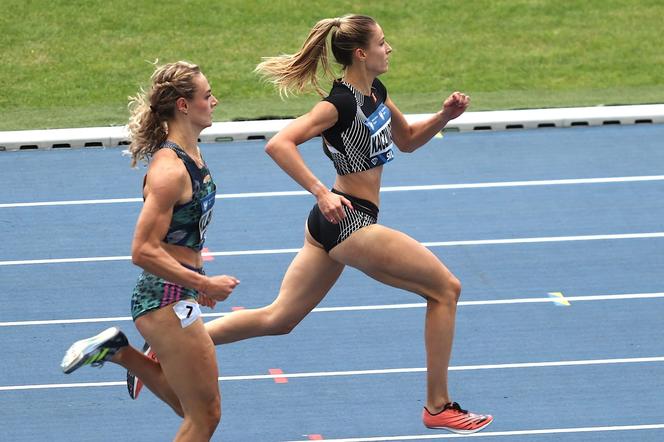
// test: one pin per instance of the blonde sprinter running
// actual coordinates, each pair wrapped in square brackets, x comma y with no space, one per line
[359,124]
[179,194]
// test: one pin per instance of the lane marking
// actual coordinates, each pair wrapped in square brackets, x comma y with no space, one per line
[355,308]
[499,433]
[544,239]
[72,202]
[323,374]
[278,379]
[64,260]
[206,255]
[573,181]
[559,299]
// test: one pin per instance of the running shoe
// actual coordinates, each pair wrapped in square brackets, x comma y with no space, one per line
[134,384]
[94,351]
[453,418]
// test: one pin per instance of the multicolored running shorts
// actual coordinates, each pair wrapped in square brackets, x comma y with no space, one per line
[152,292]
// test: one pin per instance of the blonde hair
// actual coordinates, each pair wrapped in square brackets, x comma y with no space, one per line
[298,73]
[150,111]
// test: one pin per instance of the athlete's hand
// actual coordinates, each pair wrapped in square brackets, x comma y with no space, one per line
[206,301]
[220,287]
[455,105]
[332,205]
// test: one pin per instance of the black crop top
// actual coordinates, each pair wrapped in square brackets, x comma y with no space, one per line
[362,137]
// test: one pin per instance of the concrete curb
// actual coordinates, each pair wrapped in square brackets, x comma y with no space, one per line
[265,129]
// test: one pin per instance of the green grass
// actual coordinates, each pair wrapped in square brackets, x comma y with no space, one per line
[74,63]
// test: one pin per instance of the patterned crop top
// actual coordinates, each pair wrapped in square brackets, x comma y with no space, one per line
[361,139]
[190,220]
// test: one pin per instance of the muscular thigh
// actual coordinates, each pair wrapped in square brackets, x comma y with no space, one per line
[394,258]
[308,279]
[186,354]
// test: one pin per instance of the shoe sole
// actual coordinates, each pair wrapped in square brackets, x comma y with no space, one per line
[134,384]
[79,352]
[454,430]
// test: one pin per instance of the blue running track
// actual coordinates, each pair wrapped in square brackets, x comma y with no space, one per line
[556,234]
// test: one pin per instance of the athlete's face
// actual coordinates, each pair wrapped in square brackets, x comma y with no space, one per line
[377,52]
[202,104]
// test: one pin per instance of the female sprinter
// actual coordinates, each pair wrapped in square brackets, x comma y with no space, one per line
[178,196]
[359,124]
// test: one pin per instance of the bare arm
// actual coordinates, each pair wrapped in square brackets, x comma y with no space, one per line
[409,137]
[283,150]
[165,181]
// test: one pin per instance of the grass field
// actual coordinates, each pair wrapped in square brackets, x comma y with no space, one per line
[74,63]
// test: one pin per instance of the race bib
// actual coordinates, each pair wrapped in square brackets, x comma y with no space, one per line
[379,124]
[187,311]
[206,216]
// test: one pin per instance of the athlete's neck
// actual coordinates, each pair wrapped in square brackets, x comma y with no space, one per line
[186,139]
[359,79]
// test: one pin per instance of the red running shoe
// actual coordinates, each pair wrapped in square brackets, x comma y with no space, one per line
[454,419]
[134,384]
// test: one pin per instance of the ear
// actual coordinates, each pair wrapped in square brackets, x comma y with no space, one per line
[181,105]
[360,53]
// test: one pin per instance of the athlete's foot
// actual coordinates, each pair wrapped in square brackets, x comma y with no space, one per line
[95,350]
[134,384]
[453,418]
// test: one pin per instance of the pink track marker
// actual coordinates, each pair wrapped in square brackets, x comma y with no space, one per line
[278,380]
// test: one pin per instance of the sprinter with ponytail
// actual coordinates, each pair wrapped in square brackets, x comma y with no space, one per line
[179,194]
[360,125]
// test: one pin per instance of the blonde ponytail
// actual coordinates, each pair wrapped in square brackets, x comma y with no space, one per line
[299,72]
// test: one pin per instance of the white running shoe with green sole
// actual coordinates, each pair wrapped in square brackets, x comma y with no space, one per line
[95,350]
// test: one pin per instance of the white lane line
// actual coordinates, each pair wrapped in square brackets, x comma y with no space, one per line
[355,308]
[497,433]
[574,181]
[71,202]
[323,374]
[545,239]
[64,260]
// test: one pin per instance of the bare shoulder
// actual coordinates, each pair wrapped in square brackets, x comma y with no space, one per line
[166,161]
[166,176]
[325,111]
[321,117]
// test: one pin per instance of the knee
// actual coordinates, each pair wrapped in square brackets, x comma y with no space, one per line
[448,291]
[215,418]
[212,416]
[278,324]
[204,421]
[281,327]
[455,288]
